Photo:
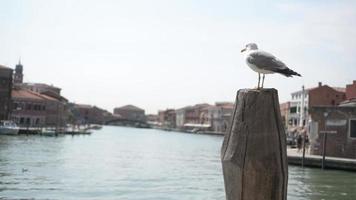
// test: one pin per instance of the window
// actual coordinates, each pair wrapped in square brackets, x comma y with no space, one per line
[293,110]
[353,128]
[15,106]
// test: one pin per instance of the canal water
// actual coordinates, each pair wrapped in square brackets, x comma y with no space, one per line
[127,163]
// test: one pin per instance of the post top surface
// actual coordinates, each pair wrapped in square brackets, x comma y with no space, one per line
[263,90]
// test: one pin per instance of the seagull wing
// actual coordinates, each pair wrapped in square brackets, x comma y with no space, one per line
[268,62]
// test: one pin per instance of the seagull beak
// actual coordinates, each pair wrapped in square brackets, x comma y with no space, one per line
[243,50]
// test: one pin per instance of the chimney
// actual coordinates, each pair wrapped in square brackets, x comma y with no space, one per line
[320,84]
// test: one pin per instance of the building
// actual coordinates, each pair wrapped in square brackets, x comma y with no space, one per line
[130,112]
[285,108]
[152,118]
[218,116]
[340,124]
[206,117]
[88,114]
[227,109]
[32,109]
[351,91]
[35,87]
[5,91]
[40,88]
[18,75]
[167,118]
[323,95]
[190,116]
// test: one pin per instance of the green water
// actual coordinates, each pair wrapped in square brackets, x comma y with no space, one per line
[128,163]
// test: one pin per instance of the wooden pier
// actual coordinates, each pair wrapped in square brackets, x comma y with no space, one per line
[315,161]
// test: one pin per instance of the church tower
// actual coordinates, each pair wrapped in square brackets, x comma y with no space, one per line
[18,77]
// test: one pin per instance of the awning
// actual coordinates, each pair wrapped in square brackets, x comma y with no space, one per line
[197,125]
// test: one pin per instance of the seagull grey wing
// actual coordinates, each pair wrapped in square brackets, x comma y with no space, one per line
[268,62]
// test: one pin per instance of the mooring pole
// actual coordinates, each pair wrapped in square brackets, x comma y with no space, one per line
[253,154]
[303,157]
[324,150]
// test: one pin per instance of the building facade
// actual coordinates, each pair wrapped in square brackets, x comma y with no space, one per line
[88,114]
[285,108]
[339,123]
[351,91]
[206,117]
[167,118]
[191,115]
[323,95]
[31,109]
[5,91]
[218,116]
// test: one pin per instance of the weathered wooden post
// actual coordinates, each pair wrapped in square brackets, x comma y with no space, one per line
[253,154]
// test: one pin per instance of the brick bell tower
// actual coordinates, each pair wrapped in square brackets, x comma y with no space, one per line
[18,76]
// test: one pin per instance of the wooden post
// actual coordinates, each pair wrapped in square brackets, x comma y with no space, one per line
[324,151]
[303,157]
[253,154]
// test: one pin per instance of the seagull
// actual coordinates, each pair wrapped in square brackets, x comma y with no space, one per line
[265,63]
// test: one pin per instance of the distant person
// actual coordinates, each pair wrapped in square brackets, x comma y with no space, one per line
[307,143]
[299,142]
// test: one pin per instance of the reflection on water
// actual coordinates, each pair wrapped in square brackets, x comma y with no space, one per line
[126,163]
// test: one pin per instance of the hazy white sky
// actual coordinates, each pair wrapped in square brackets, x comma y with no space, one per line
[161,54]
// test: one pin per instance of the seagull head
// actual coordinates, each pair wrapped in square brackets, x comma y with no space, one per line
[250,46]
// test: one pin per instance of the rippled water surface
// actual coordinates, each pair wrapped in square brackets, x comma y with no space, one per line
[128,163]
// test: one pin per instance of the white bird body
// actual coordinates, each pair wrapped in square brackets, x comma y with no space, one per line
[254,67]
[265,63]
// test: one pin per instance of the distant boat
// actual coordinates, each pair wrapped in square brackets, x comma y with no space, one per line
[49,132]
[8,128]
[95,127]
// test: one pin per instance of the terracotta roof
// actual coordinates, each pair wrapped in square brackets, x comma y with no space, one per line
[82,106]
[129,107]
[339,89]
[40,84]
[28,94]
[54,95]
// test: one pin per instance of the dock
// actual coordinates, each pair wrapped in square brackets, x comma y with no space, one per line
[52,132]
[295,158]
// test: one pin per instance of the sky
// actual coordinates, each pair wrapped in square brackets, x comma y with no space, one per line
[162,54]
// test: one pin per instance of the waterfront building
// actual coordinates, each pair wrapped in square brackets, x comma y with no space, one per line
[5,91]
[18,75]
[167,118]
[227,108]
[88,114]
[131,112]
[284,109]
[217,116]
[32,109]
[351,91]
[205,117]
[340,124]
[323,95]
[190,116]
[41,88]
[152,118]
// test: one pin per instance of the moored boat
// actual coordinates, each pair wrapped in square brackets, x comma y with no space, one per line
[8,128]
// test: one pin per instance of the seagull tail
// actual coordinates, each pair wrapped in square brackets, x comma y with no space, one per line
[288,72]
